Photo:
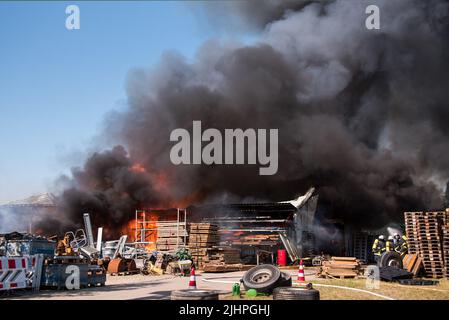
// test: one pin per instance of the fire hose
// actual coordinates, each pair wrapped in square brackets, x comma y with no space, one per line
[317,285]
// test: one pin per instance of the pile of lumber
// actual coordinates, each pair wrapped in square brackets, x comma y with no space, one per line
[207,254]
[425,234]
[202,236]
[249,238]
[222,259]
[340,267]
[170,236]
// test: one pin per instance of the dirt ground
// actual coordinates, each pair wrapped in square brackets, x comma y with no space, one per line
[142,287]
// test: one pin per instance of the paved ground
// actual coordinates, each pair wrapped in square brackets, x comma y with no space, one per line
[144,287]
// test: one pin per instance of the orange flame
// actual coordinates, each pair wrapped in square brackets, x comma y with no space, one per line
[146,230]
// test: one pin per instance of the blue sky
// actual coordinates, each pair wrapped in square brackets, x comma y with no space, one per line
[56,85]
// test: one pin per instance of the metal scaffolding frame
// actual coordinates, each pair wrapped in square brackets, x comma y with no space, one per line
[144,227]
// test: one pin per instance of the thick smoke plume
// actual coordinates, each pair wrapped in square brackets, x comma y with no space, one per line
[362,114]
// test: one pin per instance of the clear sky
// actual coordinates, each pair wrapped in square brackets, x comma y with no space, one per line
[56,84]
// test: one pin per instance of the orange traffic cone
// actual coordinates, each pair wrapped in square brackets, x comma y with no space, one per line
[192,281]
[301,275]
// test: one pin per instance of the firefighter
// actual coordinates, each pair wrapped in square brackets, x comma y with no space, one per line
[401,245]
[379,247]
[389,245]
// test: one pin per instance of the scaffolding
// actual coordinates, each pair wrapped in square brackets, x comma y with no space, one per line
[164,235]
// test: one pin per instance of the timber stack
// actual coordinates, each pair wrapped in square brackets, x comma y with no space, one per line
[340,267]
[202,237]
[206,252]
[170,236]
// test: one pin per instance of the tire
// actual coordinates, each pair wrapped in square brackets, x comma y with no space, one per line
[285,280]
[263,278]
[194,295]
[289,293]
[391,259]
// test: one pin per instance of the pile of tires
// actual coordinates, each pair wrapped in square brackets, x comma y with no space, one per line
[265,278]
[194,295]
[292,293]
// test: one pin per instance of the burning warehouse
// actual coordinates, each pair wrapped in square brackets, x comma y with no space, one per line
[254,229]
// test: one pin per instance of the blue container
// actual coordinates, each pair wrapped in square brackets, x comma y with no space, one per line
[54,276]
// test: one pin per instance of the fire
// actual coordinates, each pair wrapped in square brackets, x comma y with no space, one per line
[146,227]
[137,167]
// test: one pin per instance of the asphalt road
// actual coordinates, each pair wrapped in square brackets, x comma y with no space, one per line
[142,287]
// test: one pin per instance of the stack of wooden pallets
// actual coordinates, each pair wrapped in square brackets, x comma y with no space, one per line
[446,244]
[425,237]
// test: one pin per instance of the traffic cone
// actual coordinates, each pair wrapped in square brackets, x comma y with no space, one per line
[192,281]
[301,275]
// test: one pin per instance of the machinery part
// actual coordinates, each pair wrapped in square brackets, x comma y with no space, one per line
[89,252]
[88,226]
[317,261]
[194,295]
[417,282]
[120,246]
[263,278]
[99,239]
[79,239]
[117,265]
[130,265]
[289,293]
[391,259]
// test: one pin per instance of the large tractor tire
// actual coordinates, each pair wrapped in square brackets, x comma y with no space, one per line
[263,278]
[194,295]
[292,293]
[391,259]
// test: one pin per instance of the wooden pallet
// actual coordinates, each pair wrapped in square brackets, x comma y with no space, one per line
[413,263]
[424,233]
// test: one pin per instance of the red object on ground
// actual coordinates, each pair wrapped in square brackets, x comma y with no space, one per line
[192,281]
[282,257]
[301,275]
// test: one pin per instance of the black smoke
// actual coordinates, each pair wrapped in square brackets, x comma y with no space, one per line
[362,114]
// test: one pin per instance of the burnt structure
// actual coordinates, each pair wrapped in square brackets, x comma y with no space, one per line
[263,227]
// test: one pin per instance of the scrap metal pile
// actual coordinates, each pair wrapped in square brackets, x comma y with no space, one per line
[41,263]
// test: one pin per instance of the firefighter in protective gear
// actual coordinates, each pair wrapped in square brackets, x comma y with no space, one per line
[379,247]
[401,245]
[389,245]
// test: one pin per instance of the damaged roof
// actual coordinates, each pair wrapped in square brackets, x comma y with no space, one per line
[42,200]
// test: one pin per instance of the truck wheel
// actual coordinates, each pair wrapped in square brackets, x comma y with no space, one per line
[263,278]
[194,295]
[391,259]
[291,293]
